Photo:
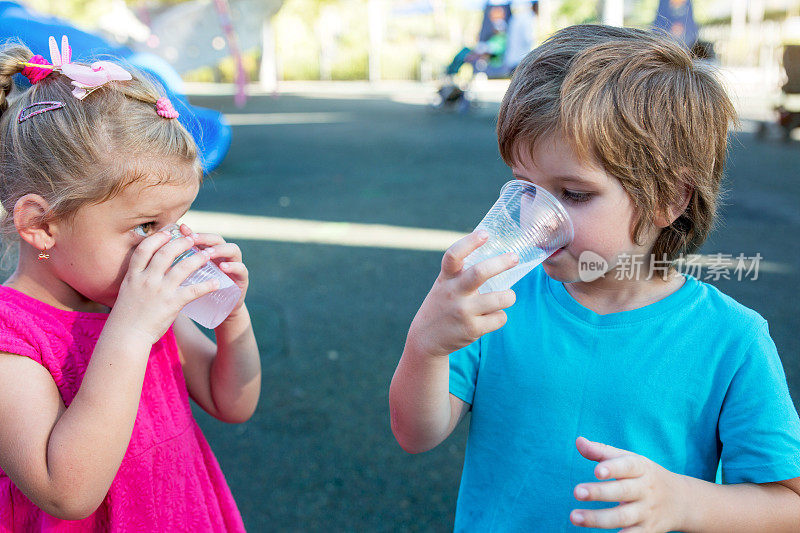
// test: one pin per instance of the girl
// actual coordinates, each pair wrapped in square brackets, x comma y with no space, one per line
[96,364]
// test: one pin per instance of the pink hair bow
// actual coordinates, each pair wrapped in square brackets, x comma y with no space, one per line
[85,78]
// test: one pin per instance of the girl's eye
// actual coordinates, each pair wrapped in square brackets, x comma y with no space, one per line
[143,230]
[576,197]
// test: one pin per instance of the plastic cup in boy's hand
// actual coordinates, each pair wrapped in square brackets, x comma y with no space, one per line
[526,220]
[211,309]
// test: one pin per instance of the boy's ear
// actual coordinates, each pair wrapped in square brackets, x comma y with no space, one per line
[667,215]
[29,219]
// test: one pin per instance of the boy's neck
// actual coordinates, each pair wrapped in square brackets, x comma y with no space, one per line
[609,295]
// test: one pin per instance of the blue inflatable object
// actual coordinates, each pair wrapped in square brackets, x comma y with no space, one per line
[210,130]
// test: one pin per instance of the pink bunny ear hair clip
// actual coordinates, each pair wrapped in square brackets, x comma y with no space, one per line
[85,78]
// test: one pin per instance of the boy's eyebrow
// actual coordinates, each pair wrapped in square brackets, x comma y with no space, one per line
[576,179]
[567,177]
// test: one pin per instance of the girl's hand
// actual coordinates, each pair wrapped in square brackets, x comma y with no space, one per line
[150,295]
[226,255]
[649,495]
[454,314]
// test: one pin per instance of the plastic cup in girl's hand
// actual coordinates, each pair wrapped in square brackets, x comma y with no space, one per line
[526,220]
[209,310]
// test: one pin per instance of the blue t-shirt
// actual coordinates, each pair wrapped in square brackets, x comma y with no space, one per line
[686,381]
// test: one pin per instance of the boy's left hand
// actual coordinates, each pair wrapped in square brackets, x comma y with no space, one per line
[226,255]
[649,495]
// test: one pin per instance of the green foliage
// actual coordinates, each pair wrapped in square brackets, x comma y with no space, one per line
[578,11]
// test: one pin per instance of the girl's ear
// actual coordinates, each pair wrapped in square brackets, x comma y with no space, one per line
[29,218]
[668,215]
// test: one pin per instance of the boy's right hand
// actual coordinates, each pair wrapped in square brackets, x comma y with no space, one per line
[150,296]
[454,314]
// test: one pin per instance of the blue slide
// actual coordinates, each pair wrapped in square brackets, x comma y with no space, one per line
[208,127]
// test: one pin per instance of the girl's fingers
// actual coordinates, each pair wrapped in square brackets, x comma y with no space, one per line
[228,251]
[164,257]
[185,267]
[477,274]
[453,260]
[207,239]
[190,293]
[494,301]
[625,515]
[144,251]
[624,490]
[236,270]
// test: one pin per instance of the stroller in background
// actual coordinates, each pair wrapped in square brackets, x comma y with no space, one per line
[505,37]
[788,109]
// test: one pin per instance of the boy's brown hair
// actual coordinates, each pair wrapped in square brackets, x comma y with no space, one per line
[636,102]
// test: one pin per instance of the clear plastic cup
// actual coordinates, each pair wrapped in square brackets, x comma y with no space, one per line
[210,310]
[526,220]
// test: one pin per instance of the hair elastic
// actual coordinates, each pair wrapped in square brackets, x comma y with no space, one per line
[164,108]
[36,69]
[51,105]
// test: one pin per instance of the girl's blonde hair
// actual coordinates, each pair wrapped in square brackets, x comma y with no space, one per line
[87,151]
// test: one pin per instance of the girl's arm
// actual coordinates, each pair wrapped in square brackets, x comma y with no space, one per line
[65,458]
[223,378]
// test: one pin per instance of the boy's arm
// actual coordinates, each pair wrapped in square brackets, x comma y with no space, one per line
[453,315]
[742,507]
[655,499]
[423,412]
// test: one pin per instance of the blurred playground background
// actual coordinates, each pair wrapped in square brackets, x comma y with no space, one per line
[333,163]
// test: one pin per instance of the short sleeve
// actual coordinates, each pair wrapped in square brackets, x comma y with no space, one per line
[759,426]
[17,334]
[464,371]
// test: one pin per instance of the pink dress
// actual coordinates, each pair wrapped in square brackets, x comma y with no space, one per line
[169,479]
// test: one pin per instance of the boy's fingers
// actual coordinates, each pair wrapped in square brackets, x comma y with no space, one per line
[623,490]
[491,322]
[597,451]
[627,466]
[478,274]
[453,260]
[494,301]
[627,514]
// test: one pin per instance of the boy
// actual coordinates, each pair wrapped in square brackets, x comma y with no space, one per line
[668,375]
